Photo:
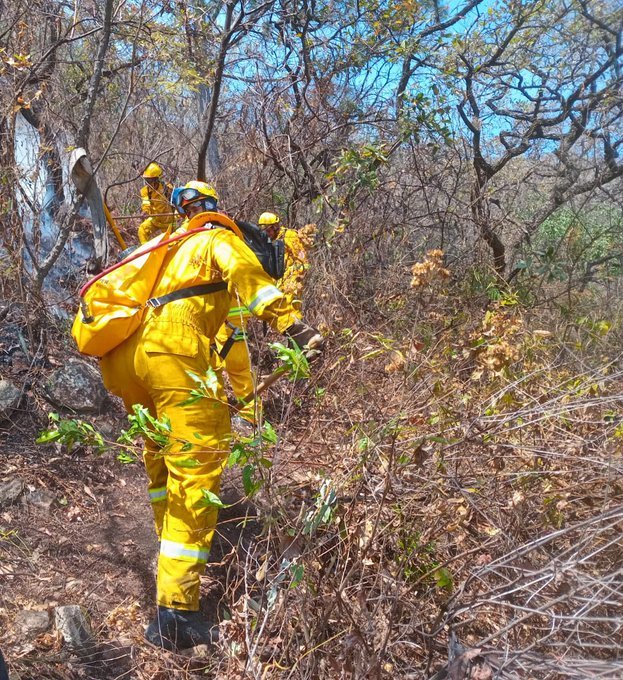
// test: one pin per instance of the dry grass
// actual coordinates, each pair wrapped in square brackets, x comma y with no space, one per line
[448,481]
[454,485]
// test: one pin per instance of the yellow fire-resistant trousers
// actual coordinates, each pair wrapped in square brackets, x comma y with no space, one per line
[177,477]
[237,364]
[151,227]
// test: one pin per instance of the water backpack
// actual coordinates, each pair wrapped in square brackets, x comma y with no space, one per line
[271,254]
[113,303]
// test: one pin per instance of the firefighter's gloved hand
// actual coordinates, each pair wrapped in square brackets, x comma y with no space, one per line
[307,338]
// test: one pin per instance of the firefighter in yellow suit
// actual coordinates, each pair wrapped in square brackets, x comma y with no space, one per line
[295,257]
[153,368]
[155,202]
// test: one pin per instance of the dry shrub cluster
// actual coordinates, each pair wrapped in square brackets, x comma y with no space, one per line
[446,500]
[445,497]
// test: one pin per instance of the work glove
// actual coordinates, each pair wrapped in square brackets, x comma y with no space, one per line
[306,337]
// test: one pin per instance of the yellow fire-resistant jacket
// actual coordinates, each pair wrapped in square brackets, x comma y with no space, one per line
[155,201]
[216,255]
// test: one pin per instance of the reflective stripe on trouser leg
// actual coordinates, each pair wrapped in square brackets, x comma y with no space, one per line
[188,525]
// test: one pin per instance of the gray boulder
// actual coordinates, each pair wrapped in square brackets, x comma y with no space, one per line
[41,498]
[9,398]
[32,622]
[76,386]
[10,491]
[72,624]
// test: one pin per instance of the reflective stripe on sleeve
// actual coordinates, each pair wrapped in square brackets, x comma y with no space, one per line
[183,551]
[158,495]
[237,312]
[265,295]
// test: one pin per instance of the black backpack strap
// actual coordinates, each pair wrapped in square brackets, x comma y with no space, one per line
[226,347]
[202,289]
[236,335]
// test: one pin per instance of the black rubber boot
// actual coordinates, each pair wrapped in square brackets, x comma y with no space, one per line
[178,629]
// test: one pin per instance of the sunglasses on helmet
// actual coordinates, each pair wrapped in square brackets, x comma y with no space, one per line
[188,196]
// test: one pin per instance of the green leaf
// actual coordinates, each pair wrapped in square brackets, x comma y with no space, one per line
[294,361]
[250,485]
[195,397]
[298,571]
[210,500]
[141,414]
[70,432]
[268,433]
[187,463]
[207,387]
[237,454]
[47,436]
[443,578]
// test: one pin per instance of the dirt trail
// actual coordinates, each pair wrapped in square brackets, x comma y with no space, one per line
[82,533]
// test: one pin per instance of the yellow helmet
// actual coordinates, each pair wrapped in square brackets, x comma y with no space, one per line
[203,188]
[268,218]
[153,170]
[193,192]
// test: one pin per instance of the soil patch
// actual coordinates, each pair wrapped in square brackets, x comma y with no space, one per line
[81,532]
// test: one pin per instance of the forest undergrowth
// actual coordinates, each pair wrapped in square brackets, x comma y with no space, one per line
[464,494]
[444,499]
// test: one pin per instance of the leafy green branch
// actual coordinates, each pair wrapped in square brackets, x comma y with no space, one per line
[207,387]
[247,452]
[143,424]
[293,361]
[71,432]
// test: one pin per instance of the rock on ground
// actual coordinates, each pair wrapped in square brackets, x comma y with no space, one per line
[73,625]
[11,490]
[32,622]
[77,386]
[9,398]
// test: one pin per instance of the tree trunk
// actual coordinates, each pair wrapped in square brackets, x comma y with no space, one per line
[481,214]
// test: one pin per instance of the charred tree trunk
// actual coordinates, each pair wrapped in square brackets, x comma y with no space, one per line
[215,92]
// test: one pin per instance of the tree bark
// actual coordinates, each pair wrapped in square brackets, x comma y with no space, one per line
[82,138]
[215,94]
